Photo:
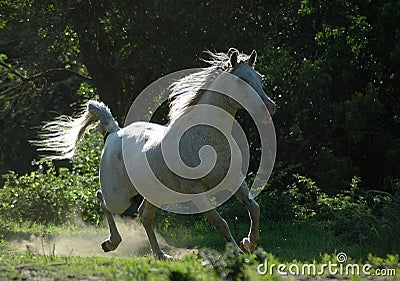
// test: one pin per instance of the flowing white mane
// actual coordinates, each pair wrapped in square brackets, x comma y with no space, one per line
[187,91]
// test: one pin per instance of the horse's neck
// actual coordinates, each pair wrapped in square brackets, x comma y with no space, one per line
[221,101]
[213,108]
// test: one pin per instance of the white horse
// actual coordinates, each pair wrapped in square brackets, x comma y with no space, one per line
[61,137]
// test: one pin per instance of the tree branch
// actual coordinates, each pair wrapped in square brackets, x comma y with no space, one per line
[39,75]
[60,70]
[12,70]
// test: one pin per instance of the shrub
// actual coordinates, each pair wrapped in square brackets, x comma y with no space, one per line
[38,196]
[230,265]
[354,215]
[298,201]
[54,195]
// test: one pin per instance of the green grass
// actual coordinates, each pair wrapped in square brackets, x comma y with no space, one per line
[284,243]
[209,266]
[306,242]
[16,267]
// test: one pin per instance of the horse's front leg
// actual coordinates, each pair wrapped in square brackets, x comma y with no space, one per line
[114,239]
[221,226]
[147,212]
[250,242]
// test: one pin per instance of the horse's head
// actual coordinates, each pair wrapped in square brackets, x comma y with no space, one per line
[244,69]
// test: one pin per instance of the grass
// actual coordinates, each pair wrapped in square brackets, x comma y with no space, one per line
[28,267]
[297,243]
[306,241]
[213,266]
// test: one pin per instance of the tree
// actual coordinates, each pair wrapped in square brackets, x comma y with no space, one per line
[117,47]
[331,66]
[339,87]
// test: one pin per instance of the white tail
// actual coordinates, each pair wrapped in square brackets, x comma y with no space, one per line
[59,138]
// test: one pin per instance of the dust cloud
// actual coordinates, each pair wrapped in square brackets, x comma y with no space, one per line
[87,242]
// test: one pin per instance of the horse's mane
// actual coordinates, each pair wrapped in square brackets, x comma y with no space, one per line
[187,91]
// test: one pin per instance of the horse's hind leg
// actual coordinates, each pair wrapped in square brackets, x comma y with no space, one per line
[249,243]
[147,212]
[114,239]
[221,226]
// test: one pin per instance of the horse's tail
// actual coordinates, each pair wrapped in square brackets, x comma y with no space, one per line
[59,138]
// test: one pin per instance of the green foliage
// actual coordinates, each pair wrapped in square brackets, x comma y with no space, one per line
[332,68]
[27,101]
[336,88]
[354,215]
[86,168]
[42,267]
[230,265]
[36,196]
[55,195]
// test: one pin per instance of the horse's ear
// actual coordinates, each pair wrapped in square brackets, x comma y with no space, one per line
[234,58]
[253,58]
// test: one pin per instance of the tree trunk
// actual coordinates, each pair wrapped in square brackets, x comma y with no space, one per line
[96,57]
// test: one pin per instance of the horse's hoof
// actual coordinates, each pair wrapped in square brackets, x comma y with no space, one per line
[165,257]
[104,247]
[168,258]
[245,245]
[99,195]
[244,250]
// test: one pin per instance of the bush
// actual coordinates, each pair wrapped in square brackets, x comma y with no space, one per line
[39,196]
[354,215]
[230,265]
[52,196]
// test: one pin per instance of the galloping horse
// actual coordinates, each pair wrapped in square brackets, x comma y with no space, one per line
[60,139]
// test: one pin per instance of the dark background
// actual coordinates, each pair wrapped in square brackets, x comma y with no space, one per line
[331,66]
